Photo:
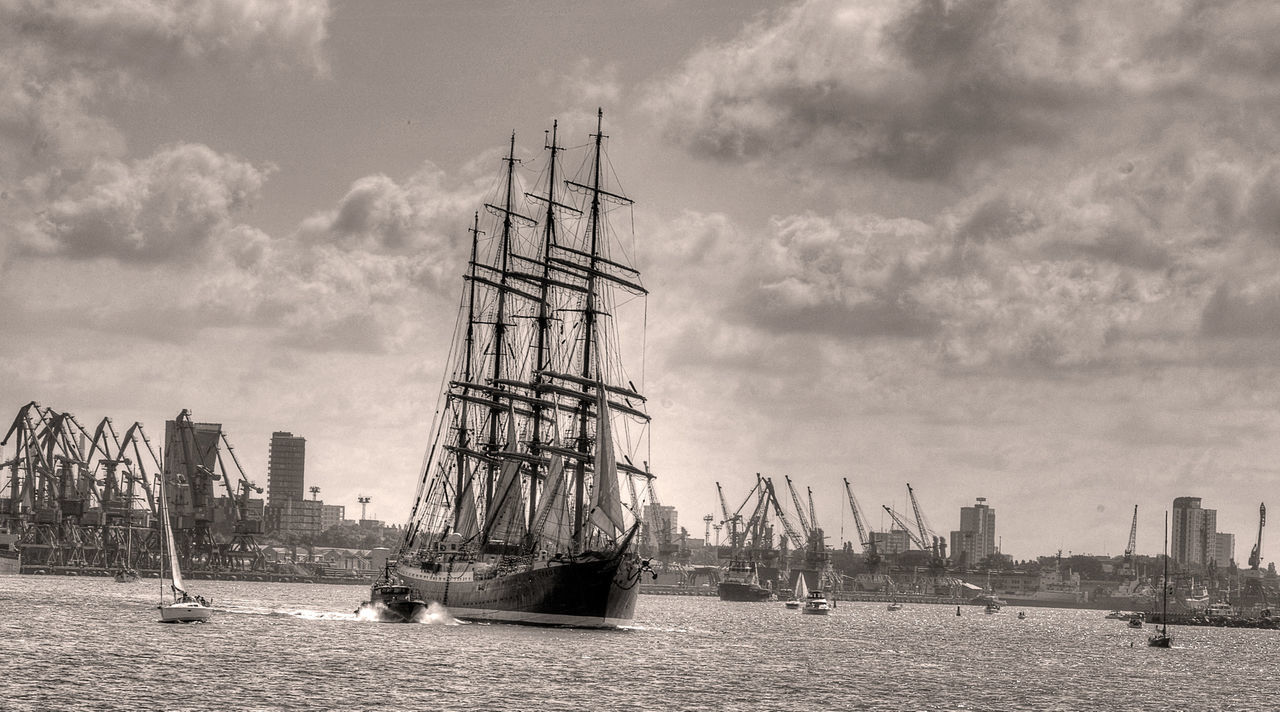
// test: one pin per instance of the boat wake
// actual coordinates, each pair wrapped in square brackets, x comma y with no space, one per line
[437,614]
[305,614]
[433,614]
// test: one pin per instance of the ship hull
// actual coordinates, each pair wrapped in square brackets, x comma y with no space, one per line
[582,594]
[743,592]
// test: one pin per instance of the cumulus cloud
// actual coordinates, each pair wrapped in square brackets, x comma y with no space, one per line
[167,206]
[421,214]
[933,90]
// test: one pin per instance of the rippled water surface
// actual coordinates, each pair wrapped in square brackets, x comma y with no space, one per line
[93,644]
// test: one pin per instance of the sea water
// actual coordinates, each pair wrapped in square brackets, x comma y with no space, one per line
[76,643]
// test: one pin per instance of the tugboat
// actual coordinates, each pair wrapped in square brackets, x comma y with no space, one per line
[742,584]
[391,602]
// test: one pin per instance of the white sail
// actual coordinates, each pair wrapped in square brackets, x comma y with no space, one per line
[553,508]
[175,571]
[467,524]
[504,520]
[802,588]
[606,501]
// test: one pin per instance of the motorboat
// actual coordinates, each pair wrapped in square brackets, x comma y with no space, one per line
[391,601]
[817,604]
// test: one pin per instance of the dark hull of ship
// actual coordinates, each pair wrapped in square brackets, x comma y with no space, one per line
[743,592]
[583,594]
[394,611]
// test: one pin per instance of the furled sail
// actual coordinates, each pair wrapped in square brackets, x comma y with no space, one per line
[606,501]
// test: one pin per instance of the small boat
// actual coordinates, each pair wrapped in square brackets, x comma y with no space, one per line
[1220,609]
[816,604]
[1161,638]
[390,602]
[1022,615]
[179,606]
[895,606]
[125,576]
[1136,620]
[801,593]
[1119,615]
[991,607]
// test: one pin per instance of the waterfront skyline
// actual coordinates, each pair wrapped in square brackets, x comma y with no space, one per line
[1015,251]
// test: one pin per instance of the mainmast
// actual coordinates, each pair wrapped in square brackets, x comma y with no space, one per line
[499,323]
[542,356]
[588,334]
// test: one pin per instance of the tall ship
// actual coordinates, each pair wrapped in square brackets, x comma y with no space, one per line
[519,514]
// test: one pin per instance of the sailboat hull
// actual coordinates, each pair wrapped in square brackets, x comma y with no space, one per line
[585,594]
[185,613]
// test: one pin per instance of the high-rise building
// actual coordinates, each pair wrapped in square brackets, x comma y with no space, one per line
[894,541]
[1193,534]
[331,515]
[285,465]
[665,521]
[1224,552]
[975,540]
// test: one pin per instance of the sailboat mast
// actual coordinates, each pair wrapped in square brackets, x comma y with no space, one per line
[463,433]
[164,522]
[588,332]
[499,325]
[1164,592]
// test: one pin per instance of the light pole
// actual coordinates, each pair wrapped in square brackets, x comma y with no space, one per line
[364,501]
[315,492]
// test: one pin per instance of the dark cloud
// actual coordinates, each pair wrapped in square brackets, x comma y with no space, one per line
[1230,313]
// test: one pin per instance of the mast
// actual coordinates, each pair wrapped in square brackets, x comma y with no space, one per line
[588,332]
[542,359]
[499,325]
[1164,592]
[469,350]
[164,536]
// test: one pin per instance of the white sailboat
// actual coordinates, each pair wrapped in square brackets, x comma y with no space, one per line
[177,606]
[801,593]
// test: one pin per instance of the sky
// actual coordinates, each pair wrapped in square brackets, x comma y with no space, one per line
[1027,251]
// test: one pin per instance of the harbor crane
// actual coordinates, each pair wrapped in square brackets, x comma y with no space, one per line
[1133,539]
[1254,592]
[937,545]
[913,536]
[796,537]
[795,499]
[863,539]
[1255,556]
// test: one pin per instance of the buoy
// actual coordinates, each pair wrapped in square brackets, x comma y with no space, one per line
[957,610]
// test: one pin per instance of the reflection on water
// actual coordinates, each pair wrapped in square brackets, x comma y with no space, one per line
[301,646]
